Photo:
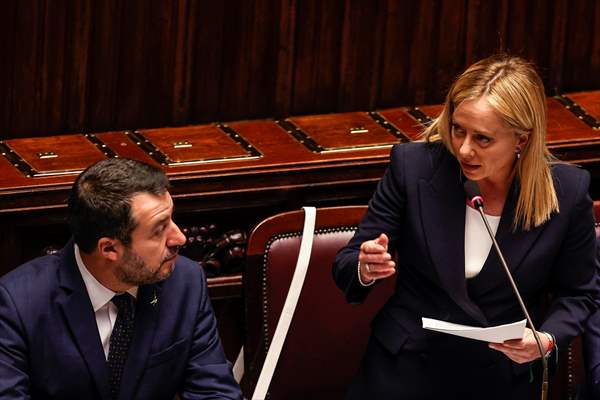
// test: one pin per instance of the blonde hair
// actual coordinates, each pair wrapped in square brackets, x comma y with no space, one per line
[513,88]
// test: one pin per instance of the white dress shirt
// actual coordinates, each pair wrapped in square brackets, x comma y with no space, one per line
[477,241]
[100,296]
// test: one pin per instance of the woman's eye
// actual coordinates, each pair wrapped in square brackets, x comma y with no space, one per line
[483,139]
[457,130]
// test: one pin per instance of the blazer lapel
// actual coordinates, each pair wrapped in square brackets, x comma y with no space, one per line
[81,321]
[514,247]
[443,217]
[146,315]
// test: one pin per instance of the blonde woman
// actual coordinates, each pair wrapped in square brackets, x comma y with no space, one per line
[491,131]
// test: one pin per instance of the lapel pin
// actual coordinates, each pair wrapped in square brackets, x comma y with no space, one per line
[154,300]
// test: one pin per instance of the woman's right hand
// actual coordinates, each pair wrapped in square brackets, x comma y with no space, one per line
[375,261]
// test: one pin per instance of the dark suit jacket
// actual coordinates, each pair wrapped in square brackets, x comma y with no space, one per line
[50,347]
[591,347]
[420,205]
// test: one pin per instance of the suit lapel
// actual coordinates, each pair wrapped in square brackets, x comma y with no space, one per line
[146,315]
[514,247]
[81,321]
[443,217]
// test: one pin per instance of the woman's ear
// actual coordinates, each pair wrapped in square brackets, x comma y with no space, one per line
[522,140]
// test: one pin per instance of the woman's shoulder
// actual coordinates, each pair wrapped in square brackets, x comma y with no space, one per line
[422,146]
[420,152]
[569,179]
[569,172]
[421,160]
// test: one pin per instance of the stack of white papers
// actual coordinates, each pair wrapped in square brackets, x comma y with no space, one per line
[495,334]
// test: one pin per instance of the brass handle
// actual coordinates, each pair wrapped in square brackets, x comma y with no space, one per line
[358,129]
[181,145]
[46,154]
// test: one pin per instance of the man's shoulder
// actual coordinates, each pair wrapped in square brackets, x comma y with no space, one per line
[36,273]
[33,286]
[187,272]
[188,266]
[185,288]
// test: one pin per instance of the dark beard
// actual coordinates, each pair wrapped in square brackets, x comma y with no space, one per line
[134,271]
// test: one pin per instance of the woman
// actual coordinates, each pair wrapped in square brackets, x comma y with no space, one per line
[491,131]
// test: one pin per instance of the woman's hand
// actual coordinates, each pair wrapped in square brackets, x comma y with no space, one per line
[375,261]
[522,350]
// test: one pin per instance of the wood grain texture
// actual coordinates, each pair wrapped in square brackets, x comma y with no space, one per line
[81,66]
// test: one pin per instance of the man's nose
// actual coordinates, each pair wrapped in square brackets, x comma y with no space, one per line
[176,237]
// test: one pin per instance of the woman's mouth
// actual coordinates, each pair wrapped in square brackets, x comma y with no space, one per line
[468,167]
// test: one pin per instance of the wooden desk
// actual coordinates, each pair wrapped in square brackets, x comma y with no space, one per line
[233,175]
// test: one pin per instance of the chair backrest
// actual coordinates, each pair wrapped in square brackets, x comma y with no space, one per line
[327,336]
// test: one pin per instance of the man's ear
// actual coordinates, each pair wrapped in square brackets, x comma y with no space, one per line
[110,249]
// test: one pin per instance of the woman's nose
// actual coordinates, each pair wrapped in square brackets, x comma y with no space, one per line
[466,149]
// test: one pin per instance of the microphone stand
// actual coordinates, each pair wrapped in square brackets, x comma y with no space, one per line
[479,208]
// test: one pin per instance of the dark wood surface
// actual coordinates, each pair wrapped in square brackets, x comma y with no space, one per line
[72,66]
[242,171]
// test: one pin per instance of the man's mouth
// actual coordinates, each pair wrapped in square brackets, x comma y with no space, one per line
[170,258]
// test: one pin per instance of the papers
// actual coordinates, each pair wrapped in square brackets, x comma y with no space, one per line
[495,334]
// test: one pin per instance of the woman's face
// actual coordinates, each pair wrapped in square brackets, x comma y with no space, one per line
[483,144]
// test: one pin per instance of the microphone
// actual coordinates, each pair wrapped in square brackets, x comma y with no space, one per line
[476,201]
[473,194]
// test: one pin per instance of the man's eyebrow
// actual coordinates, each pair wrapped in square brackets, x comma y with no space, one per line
[161,221]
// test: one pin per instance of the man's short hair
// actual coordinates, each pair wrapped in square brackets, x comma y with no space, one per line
[100,199]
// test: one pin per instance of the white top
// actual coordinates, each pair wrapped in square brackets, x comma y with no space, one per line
[100,296]
[477,240]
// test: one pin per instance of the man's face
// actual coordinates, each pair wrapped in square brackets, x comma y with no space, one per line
[155,241]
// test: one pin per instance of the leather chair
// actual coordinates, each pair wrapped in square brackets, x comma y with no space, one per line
[327,336]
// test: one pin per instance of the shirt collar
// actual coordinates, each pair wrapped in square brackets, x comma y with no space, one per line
[98,293]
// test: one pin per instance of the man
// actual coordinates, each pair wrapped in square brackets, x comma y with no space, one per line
[116,313]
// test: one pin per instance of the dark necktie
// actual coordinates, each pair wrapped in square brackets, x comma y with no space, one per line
[120,340]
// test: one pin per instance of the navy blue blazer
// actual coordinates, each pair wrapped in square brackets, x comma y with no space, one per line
[50,347]
[420,204]
[591,347]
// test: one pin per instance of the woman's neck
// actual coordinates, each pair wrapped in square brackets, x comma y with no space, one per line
[495,196]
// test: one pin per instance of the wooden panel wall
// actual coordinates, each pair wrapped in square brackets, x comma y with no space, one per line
[96,65]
